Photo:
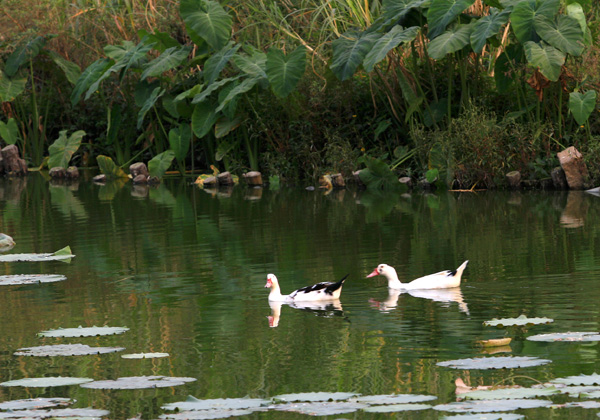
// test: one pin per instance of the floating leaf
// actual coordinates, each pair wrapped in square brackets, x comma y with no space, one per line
[393,399]
[509,393]
[193,404]
[62,254]
[18,279]
[65,350]
[47,382]
[83,332]
[486,406]
[393,408]
[480,416]
[144,355]
[576,391]
[520,321]
[138,382]
[568,336]
[315,396]
[593,379]
[206,414]
[322,408]
[593,394]
[33,403]
[578,404]
[503,362]
[72,413]
[495,342]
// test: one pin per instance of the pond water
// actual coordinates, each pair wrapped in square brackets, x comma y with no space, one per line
[184,269]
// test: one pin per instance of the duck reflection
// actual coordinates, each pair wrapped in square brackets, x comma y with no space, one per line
[327,309]
[437,295]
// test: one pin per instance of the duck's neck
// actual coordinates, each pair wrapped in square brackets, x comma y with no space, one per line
[275,294]
[393,281]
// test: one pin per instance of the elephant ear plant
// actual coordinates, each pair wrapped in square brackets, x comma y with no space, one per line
[193,91]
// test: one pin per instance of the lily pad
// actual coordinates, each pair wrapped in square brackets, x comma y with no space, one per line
[576,391]
[193,404]
[315,396]
[322,408]
[592,394]
[394,408]
[593,379]
[66,350]
[509,393]
[487,406]
[144,355]
[503,362]
[56,413]
[46,382]
[206,414]
[83,332]
[578,404]
[60,255]
[35,403]
[479,416]
[519,321]
[138,382]
[393,399]
[18,279]
[568,336]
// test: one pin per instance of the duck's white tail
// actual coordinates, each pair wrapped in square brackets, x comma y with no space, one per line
[458,272]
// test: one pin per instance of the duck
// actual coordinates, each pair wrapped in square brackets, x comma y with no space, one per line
[316,292]
[442,280]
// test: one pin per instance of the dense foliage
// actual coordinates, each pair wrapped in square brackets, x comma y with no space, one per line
[461,90]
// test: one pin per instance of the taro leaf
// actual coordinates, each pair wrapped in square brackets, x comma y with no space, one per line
[593,379]
[564,33]
[393,408]
[254,65]
[168,60]
[60,255]
[575,11]
[213,87]
[9,131]
[71,413]
[225,126]
[509,393]
[65,350]
[144,355]
[582,105]
[10,88]
[89,76]
[568,336]
[24,53]
[442,12]
[179,140]
[243,87]
[33,403]
[504,362]
[283,72]
[161,40]
[386,43]
[158,165]
[17,279]
[203,118]
[378,175]
[454,39]
[71,70]
[315,396]
[523,15]
[190,93]
[109,168]
[321,408]
[154,96]
[63,149]
[522,320]
[83,332]
[206,20]
[138,382]
[207,414]
[486,406]
[480,416]
[192,404]
[47,382]
[487,27]
[393,399]
[217,61]
[349,51]
[394,12]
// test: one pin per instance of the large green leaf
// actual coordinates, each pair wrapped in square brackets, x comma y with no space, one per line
[24,52]
[378,175]
[179,140]
[547,58]
[442,12]
[349,50]
[563,33]
[10,88]
[524,13]
[450,41]
[225,126]
[70,69]
[218,61]
[109,168]
[394,11]
[208,20]
[161,40]
[9,131]
[582,105]
[243,87]
[203,118]
[387,42]
[63,149]
[89,76]
[213,87]
[158,165]
[168,60]
[487,27]
[254,65]
[576,11]
[283,72]
[156,93]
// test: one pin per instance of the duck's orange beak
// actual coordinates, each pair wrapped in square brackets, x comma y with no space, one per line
[373,274]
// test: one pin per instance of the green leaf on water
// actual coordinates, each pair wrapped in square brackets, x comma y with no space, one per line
[481,416]
[593,379]
[509,393]
[314,396]
[568,336]
[83,332]
[19,279]
[322,408]
[35,403]
[522,320]
[194,404]
[60,255]
[138,382]
[506,362]
[486,406]
[46,382]
[144,355]
[394,408]
[393,399]
[65,350]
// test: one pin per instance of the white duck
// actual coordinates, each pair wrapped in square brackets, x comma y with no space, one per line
[316,292]
[442,280]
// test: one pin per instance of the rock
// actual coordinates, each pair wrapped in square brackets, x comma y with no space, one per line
[99,178]
[310,188]
[253,178]
[224,178]
[559,180]
[513,179]
[572,163]
[12,162]
[338,181]
[406,180]
[138,168]
[140,179]
[356,177]
[211,181]
[57,172]
[72,172]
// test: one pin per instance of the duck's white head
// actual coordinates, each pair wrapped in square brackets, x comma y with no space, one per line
[271,280]
[383,270]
